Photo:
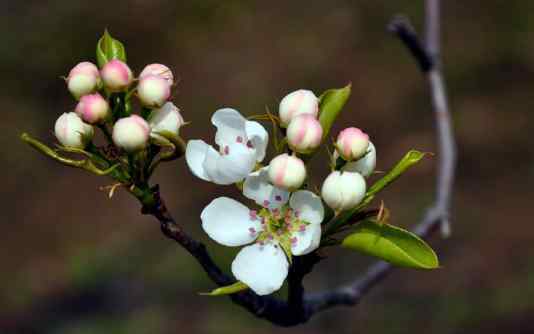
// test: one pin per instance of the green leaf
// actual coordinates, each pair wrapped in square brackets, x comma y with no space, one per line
[330,104]
[410,159]
[108,49]
[392,244]
[227,290]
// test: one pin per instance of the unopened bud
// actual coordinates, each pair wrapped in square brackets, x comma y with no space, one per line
[71,131]
[83,79]
[304,133]
[92,108]
[365,165]
[166,118]
[159,70]
[116,75]
[343,190]
[352,143]
[131,133]
[153,90]
[287,172]
[299,102]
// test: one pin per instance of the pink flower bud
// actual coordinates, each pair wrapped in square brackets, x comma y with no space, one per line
[71,131]
[116,75]
[343,190]
[153,90]
[166,118]
[83,79]
[159,70]
[365,165]
[352,143]
[287,172]
[299,102]
[304,133]
[131,133]
[92,108]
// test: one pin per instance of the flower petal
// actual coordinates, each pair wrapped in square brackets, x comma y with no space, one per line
[262,268]
[195,154]
[259,137]
[229,222]
[258,188]
[308,205]
[233,166]
[304,242]
[230,126]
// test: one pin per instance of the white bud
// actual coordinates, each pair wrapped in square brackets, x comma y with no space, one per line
[153,90]
[365,165]
[166,118]
[352,143]
[131,133]
[92,108]
[116,75]
[71,131]
[160,70]
[83,79]
[299,102]
[287,172]
[343,190]
[304,133]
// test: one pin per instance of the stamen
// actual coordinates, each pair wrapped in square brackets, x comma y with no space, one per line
[278,198]
[293,240]
[297,213]
[226,150]
[266,203]
[302,228]
[249,144]
[252,230]
[253,215]
[239,139]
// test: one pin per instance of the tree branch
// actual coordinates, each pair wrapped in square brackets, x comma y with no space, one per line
[300,307]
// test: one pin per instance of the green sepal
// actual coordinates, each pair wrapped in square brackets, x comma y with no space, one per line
[331,102]
[392,244]
[227,290]
[108,49]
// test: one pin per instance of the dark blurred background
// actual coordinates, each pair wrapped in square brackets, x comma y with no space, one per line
[73,261]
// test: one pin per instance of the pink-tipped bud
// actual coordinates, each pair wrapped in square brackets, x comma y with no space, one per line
[287,172]
[83,79]
[343,190]
[71,131]
[299,102]
[352,143]
[365,165]
[116,75]
[131,133]
[304,133]
[153,91]
[166,119]
[159,70]
[92,108]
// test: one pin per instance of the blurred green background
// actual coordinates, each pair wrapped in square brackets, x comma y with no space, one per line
[73,261]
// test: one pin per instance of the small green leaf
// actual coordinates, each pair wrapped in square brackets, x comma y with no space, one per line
[392,244]
[108,49]
[410,159]
[331,103]
[227,290]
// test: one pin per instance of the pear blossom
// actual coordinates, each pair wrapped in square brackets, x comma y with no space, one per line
[131,133]
[304,133]
[71,131]
[299,102]
[352,143]
[365,165]
[343,190]
[92,108]
[116,75]
[167,118]
[242,144]
[158,69]
[288,224]
[287,172]
[83,79]
[153,90]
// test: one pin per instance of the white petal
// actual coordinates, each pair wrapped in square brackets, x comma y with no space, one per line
[229,222]
[232,166]
[365,165]
[259,137]
[230,126]
[306,241]
[308,205]
[195,154]
[258,188]
[262,268]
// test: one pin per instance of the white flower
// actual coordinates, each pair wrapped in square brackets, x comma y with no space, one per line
[279,230]
[241,144]
[296,103]
[365,165]
[131,133]
[343,190]
[166,118]
[71,131]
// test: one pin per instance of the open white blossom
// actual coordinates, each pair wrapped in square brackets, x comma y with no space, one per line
[289,224]
[241,144]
